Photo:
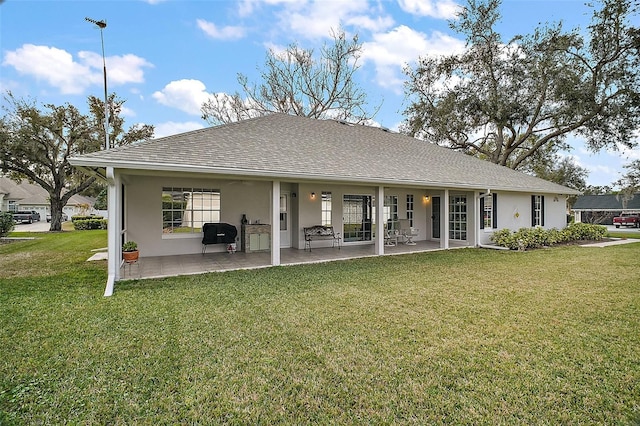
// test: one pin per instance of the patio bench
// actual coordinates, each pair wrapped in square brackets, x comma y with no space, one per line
[321,232]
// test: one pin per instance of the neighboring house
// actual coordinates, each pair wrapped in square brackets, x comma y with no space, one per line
[29,196]
[603,208]
[295,172]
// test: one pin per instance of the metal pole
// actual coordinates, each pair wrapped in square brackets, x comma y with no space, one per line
[102,25]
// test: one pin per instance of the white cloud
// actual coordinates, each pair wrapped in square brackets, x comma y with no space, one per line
[374,24]
[442,9]
[58,68]
[220,33]
[628,154]
[126,69]
[392,50]
[247,7]
[316,19]
[172,128]
[185,95]
[127,112]
[54,66]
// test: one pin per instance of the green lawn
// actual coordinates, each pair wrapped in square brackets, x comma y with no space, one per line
[623,233]
[459,337]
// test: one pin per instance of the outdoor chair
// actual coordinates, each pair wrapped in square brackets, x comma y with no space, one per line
[408,232]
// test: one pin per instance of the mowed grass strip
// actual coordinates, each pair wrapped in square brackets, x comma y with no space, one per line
[457,337]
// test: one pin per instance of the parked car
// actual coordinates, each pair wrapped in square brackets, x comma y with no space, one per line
[27,216]
[64,217]
[627,219]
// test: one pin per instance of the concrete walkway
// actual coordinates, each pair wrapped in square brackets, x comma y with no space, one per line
[615,242]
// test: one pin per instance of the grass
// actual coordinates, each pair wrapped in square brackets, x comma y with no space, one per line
[623,234]
[458,337]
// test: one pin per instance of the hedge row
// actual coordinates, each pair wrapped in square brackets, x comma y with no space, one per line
[85,217]
[83,223]
[529,238]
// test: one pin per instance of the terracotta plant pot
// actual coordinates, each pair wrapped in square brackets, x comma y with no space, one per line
[130,256]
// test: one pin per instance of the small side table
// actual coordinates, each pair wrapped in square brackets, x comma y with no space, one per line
[130,263]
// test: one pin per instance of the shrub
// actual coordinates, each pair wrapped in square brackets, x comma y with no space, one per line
[528,238]
[504,238]
[585,231]
[86,224]
[84,217]
[6,223]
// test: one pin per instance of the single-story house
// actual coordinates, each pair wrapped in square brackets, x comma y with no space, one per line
[284,173]
[603,208]
[25,195]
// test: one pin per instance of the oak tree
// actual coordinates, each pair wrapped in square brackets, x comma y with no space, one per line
[504,101]
[36,144]
[296,82]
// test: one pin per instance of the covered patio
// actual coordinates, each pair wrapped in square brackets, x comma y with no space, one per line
[190,264]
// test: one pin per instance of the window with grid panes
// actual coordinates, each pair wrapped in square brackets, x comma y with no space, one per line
[390,212]
[185,210]
[326,208]
[410,209]
[458,217]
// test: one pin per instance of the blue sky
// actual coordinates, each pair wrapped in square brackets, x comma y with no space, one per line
[166,57]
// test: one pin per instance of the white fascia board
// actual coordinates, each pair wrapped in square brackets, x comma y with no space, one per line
[172,167]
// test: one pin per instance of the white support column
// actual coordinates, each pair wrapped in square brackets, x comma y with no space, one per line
[114,225]
[379,242]
[275,223]
[444,233]
[477,217]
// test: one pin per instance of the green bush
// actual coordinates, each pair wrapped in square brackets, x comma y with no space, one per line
[6,223]
[90,217]
[86,224]
[529,238]
[585,231]
[504,238]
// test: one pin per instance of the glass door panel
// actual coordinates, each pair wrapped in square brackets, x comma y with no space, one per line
[356,217]
[458,217]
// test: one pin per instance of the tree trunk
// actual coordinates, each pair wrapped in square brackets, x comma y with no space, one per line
[56,213]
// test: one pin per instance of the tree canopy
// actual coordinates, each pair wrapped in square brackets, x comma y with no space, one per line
[506,101]
[297,83]
[36,144]
[630,182]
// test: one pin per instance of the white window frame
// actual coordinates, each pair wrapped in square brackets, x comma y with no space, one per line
[410,209]
[390,211]
[325,206]
[458,217]
[537,210]
[202,205]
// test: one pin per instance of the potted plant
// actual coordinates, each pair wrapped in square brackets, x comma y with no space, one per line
[130,251]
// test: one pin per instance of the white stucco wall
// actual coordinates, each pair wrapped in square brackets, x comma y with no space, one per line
[514,212]
[143,211]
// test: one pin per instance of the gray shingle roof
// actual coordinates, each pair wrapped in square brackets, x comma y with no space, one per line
[290,147]
[605,202]
[27,193]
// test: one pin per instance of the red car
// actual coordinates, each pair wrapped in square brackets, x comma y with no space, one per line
[627,219]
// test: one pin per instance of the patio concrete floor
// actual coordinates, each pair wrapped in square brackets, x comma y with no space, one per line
[189,264]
